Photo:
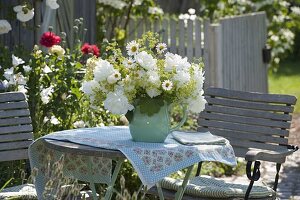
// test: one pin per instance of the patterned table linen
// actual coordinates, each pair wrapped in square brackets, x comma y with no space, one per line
[152,161]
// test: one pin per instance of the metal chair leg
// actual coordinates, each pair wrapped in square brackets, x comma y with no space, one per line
[278,165]
[254,176]
[180,192]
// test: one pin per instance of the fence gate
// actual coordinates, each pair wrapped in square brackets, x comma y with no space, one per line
[233,53]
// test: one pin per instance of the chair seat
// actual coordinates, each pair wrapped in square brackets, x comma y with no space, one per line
[25,191]
[206,186]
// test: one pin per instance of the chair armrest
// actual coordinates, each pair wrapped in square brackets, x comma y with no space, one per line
[253,155]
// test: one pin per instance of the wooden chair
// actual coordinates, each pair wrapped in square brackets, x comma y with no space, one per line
[15,137]
[257,127]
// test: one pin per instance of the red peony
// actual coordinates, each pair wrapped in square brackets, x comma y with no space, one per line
[49,39]
[87,48]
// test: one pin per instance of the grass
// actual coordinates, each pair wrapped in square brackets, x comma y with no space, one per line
[287,80]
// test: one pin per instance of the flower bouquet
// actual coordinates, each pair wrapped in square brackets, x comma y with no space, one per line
[146,81]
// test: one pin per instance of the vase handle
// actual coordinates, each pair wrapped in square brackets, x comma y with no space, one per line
[184,109]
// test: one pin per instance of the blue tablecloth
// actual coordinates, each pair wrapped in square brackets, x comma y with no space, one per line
[152,161]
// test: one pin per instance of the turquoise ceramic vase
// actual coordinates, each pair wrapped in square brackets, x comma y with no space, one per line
[152,128]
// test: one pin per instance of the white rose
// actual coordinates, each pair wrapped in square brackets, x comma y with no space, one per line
[102,70]
[5,26]
[117,103]
[182,77]
[153,77]
[196,105]
[52,4]
[175,61]
[146,60]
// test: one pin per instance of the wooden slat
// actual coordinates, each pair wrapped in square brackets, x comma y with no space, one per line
[250,136]
[11,96]
[248,113]
[190,40]
[245,120]
[14,145]
[15,121]
[165,31]
[260,97]
[244,127]
[198,45]
[173,35]
[13,105]
[257,145]
[241,152]
[181,45]
[15,129]
[13,155]
[14,113]
[249,105]
[16,137]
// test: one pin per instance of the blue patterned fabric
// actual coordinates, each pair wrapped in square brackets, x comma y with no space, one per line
[152,161]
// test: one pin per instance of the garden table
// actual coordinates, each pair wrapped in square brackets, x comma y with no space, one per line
[88,155]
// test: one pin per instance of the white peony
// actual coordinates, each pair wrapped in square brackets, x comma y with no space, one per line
[16,61]
[57,50]
[153,92]
[102,70]
[46,93]
[52,4]
[117,103]
[23,13]
[196,104]
[182,77]
[153,77]
[5,26]
[175,61]
[88,87]
[146,60]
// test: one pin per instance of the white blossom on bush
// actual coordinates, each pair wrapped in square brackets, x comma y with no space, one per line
[27,68]
[155,11]
[117,4]
[16,61]
[24,14]
[5,26]
[46,94]
[54,120]
[79,124]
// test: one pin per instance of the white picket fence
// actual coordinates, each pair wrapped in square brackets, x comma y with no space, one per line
[231,49]
[181,38]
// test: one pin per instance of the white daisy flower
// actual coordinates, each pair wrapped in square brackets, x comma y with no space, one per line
[161,47]
[167,85]
[113,78]
[129,63]
[132,48]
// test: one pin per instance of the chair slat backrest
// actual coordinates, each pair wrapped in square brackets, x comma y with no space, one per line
[248,120]
[15,126]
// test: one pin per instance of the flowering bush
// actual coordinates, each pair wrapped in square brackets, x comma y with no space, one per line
[148,72]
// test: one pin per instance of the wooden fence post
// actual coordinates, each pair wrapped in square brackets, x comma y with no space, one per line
[213,55]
